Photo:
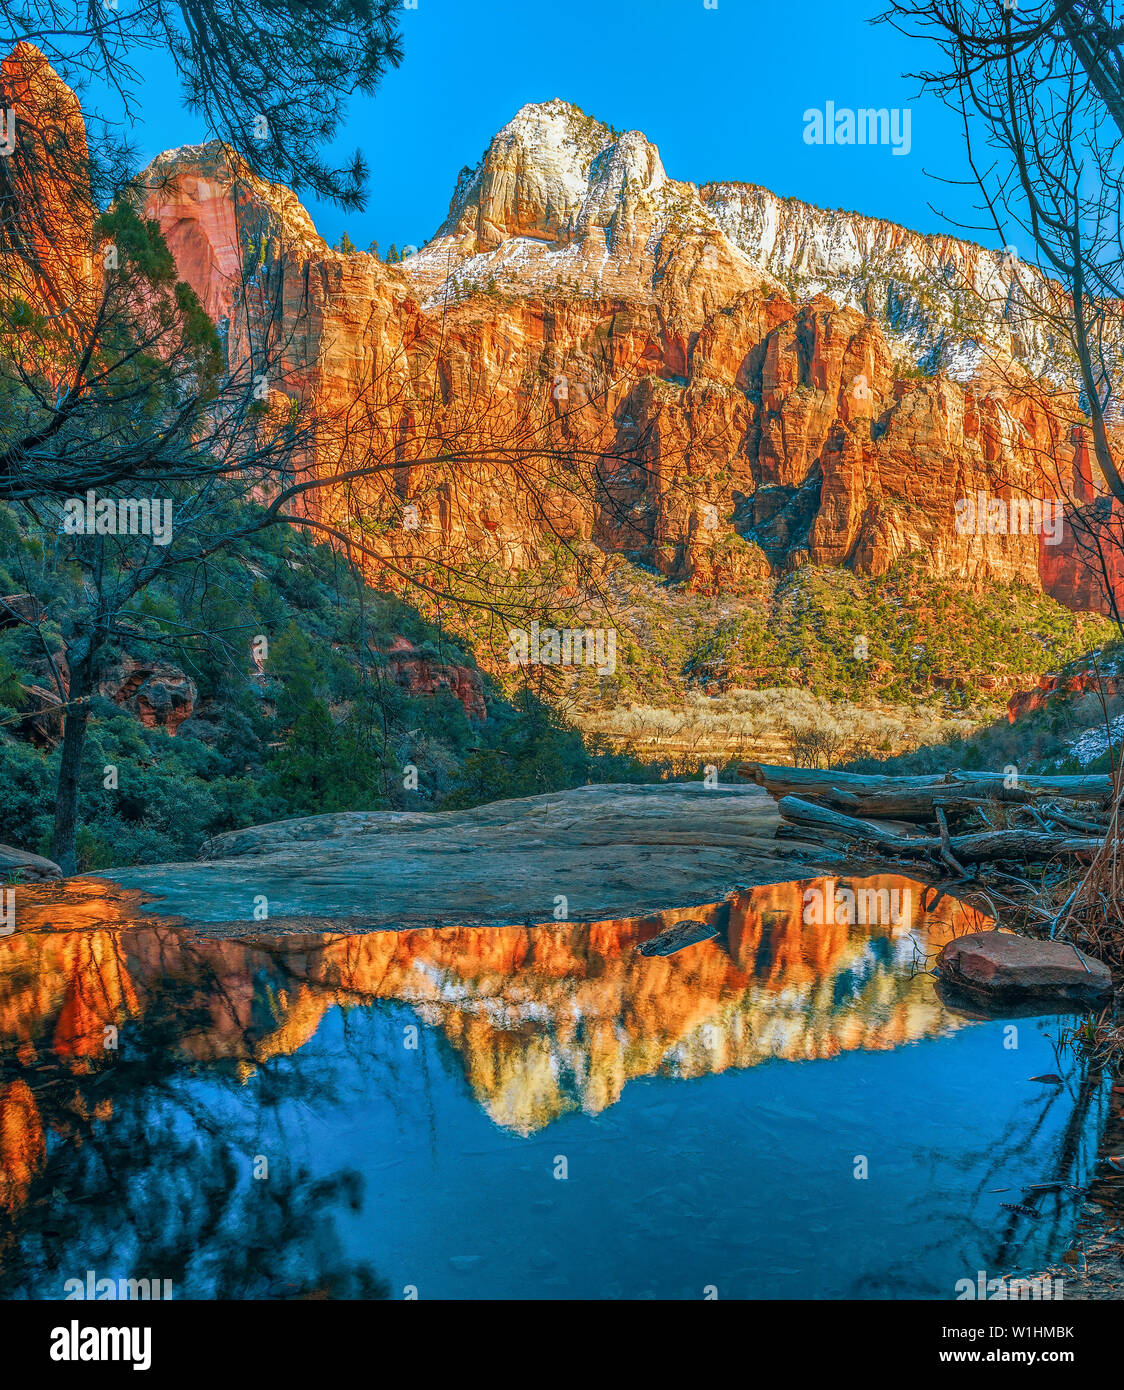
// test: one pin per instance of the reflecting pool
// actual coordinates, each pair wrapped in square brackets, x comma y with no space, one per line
[785,1110]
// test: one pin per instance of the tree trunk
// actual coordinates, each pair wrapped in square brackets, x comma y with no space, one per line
[64,840]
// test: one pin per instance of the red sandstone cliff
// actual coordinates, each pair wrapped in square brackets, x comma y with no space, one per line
[423,675]
[575,290]
[46,210]
[621,362]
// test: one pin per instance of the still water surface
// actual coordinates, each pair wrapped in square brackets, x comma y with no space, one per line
[525,1112]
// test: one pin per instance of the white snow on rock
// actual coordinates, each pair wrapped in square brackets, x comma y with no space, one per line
[1093,742]
[559,178]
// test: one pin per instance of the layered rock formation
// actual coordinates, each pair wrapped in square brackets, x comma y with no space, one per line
[592,357]
[1051,688]
[624,360]
[46,210]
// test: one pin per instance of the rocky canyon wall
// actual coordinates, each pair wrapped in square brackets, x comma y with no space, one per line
[590,357]
[626,362]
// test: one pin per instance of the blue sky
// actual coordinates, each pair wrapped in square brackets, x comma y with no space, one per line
[721,91]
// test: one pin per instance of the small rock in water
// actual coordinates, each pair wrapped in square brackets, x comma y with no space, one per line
[678,937]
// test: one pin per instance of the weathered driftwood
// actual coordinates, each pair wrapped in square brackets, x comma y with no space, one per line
[946,844]
[916,798]
[978,847]
[795,779]
[917,803]
[1052,813]
[1081,786]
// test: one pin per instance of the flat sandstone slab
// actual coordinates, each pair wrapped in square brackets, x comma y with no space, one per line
[996,965]
[612,851]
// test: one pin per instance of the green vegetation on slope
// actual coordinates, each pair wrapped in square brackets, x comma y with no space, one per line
[899,637]
[323,726]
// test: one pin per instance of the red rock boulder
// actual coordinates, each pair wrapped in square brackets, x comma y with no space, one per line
[999,967]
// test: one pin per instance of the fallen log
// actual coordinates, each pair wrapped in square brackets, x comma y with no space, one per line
[918,803]
[796,779]
[912,798]
[946,845]
[1078,786]
[978,847]
[1090,827]
[901,802]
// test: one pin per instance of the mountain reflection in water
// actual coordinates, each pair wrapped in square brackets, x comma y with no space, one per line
[546,1019]
[218,1040]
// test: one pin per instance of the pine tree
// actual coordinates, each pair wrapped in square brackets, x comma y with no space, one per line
[252,72]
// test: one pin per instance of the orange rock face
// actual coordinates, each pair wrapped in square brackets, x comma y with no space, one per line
[160,695]
[1072,571]
[421,675]
[590,356]
[574,310]
[46,211]
[1051,687]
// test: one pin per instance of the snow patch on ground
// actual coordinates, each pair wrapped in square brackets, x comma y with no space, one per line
[1093,742]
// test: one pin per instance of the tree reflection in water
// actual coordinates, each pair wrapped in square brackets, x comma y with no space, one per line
[142,1157]
[147,1178]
